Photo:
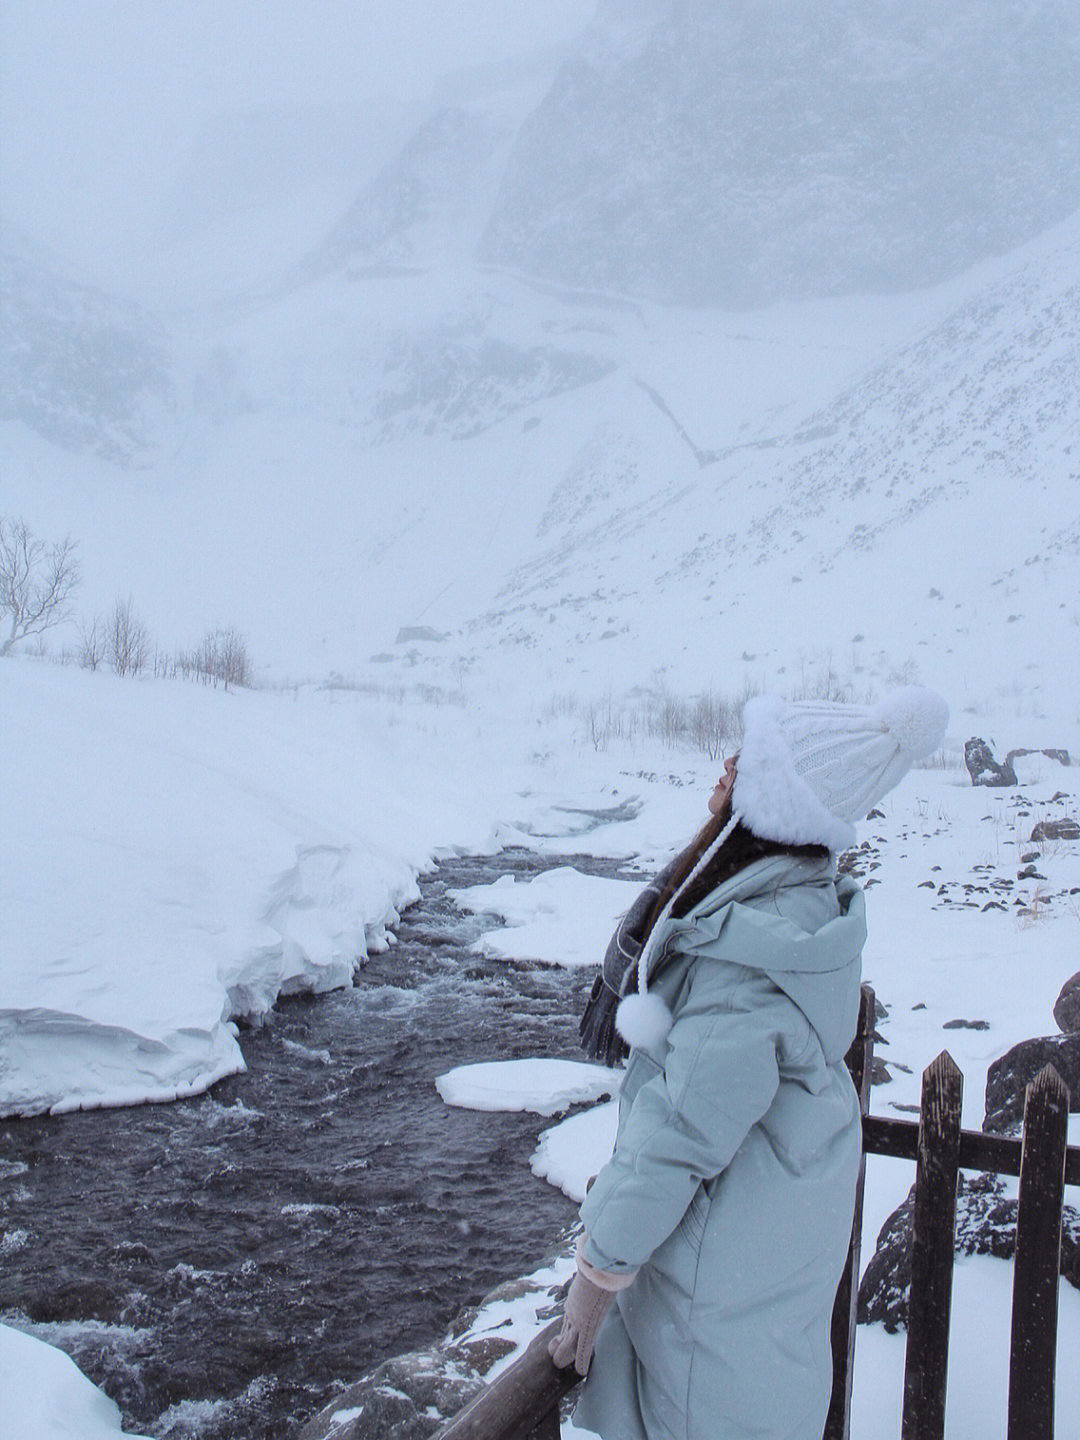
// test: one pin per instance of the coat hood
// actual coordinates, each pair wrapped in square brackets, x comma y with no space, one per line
[800,924]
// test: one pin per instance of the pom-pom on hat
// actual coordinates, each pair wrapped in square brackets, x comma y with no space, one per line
[807,770]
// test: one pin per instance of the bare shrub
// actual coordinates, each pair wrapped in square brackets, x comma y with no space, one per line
[36,582]
[127,640]
[715,724]
[92,647]
[710,723]
[223,658]
[823,683]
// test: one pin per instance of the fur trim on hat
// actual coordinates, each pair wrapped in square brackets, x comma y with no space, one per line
[775,802]
[643,1021]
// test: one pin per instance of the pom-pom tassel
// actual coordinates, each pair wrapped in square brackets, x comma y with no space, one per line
[643,1020]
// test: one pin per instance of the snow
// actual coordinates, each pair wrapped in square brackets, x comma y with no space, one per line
[46,1395]
[561,917]
[542,1086]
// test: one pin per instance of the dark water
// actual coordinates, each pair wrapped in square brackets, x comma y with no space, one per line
[217,1264]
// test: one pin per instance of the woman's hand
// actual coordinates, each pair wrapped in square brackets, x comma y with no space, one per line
[587,1302]
[586,1306]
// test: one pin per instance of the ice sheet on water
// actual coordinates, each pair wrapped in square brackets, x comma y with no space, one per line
[561,917]
[575,1149]
[543,1087]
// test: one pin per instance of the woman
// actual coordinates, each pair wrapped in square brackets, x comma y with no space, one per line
[715,1237]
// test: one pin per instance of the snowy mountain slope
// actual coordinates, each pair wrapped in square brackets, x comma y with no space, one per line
[254,189]
[736,155]
[865,505]
[88,371]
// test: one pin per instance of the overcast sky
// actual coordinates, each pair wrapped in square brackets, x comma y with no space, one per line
[99,99]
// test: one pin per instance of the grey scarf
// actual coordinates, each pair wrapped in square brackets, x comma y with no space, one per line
[599,1038]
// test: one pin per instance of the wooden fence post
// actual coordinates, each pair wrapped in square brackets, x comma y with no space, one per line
[933,1232]
[860,1061]
[549,1428]
[1038,1251]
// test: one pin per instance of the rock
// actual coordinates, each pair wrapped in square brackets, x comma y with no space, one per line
[409,633]
[879,1072]
[482,1353]
[1008,1078]
[983,768]
[1064,829]
[1061,756]
[406,1398]
[985,1225]
[1067,1006]
[966,1024]
[411,1396]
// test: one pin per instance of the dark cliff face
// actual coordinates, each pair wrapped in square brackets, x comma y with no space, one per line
[429,184]
[85,370]
[740,153]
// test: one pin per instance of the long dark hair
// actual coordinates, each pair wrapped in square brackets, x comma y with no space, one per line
[741,848]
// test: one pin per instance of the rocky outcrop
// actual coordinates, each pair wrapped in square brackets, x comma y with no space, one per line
[89,372]
[983,768]
[985,1225]
[1008,1078]
[410,1396]
[406,1398]
[1064,829]
[458,381]
[1067,1006]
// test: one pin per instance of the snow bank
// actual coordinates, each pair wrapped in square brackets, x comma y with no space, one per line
[174,856]
[46,1395]
[542,1086]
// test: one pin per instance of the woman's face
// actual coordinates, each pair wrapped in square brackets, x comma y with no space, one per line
[719,797]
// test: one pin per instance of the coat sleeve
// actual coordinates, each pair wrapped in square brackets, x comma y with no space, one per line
[685,1124]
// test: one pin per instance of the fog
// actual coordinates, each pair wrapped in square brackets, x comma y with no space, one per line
[117,115]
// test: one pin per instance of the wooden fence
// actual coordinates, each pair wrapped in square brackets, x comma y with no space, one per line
[523,1403]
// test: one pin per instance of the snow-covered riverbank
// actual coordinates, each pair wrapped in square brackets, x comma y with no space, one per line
[174,857]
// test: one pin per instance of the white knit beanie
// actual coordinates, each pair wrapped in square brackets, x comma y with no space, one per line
[808,769]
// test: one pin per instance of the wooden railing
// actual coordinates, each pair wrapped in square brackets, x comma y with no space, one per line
[523,1403]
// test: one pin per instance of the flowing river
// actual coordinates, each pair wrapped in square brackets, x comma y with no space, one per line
[217,1264]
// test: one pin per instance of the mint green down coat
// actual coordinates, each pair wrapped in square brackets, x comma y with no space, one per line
[732,1183]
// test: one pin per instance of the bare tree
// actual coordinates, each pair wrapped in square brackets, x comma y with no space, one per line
[127,641]
[36,582]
